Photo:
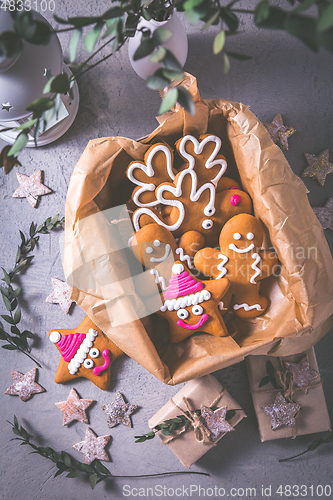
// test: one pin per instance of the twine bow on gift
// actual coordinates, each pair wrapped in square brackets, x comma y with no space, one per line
[201,432]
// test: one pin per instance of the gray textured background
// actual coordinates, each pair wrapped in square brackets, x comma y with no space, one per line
[284,77]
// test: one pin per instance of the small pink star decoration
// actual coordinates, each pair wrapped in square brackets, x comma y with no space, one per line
[278,132]
[24,385]
[60,295]
[31,187]
[215,421]
[282,412]
[74,408]
[92,447]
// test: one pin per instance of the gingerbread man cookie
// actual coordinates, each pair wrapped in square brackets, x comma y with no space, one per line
[241,260]
[191,305]
[147,175]
[156,248]
[85,352]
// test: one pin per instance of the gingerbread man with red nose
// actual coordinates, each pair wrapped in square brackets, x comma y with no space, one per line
[191,305]
[241,260]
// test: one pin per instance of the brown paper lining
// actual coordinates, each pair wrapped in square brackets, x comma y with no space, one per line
[301,298]
[314,415]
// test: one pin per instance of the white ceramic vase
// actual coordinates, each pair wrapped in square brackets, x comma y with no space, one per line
[177,44]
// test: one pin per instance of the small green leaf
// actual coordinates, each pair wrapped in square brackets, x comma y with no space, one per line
[60,471]
[16,431]
[219,42]
[81,21]
[74,473]
[161,35]
[15,422]
[7,303]
[326,18]
[28,334]
[101,468]
[237,55]
[265,380]
[304,28]
[19,144]
[314,445]
[93,480]
[145,48]
[73,44]
[169,101]
[15,293]
[40,105]
[171,62]
[141,439]
[10,347]
[158,55]
[91,37]
[226,63]
[32,229]
[54,220]
[275,19]
[19,342]
[8,319]
[187,425]
[17,316]
[211,20]
[190,4]
[157,82]
[3,335]
[26,125]
[270,368]
[304,5]
[262,12]
[25,26]
[15,330]
[6,277]
[113,12]
[87,468]
[185,100]
[66,458]
[4,291]
[59,84]
[230,19]
[166,432]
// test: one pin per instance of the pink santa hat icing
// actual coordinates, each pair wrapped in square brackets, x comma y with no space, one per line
[74,348]
[181,283]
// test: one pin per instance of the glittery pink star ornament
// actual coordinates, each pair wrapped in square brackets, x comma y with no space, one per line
[318,166]
[278,132]
[282,412]
[92,447]
[24,385]
[301,373]
[215,421]
[119,411]
[60,295]
[74,408]
[31,187]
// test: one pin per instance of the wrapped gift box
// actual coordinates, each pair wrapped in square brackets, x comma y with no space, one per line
[200,391]
[313,417]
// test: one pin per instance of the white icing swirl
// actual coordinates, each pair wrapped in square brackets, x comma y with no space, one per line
[183,257]
[255,268]
[159,279]
[188,300]
[220,266]
[247,307]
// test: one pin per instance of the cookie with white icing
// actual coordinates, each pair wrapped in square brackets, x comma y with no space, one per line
[191,305]
[156,168]
[241,260]
[85,352]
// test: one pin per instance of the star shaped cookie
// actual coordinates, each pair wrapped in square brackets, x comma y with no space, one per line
[318,166]
[282,412]
[60,295]
[92,447]
[325,214]
[119,411]
[24,385]
[191,305]
[85,352]
[278,132]
[31,187]
[215,421]
[74,408]
[301,372]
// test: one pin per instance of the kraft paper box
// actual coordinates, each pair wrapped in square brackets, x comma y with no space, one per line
[200,391]
[313,417]
[99,265]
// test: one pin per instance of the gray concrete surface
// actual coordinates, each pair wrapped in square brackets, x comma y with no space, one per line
[284,77]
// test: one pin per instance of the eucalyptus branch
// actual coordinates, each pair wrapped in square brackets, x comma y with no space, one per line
[173,424]
[19,340]
[312,446]
[65,463]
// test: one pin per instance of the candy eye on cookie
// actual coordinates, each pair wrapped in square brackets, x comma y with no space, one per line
[182,313]
[197,310]
[207,224]
[88,363]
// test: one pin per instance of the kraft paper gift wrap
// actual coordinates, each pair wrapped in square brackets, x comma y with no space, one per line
[200,391]
[313,417]
[99,266]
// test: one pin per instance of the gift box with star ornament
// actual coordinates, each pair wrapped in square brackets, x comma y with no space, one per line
[288,396]
[143,217]
[210,412]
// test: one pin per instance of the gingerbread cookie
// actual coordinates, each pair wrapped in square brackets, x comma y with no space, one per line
[156,248]
[191,305]
[85,352]
[147,175]
[202,157]
[241,260]
[194,208]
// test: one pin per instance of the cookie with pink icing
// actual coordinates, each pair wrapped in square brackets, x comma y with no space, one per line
[156,168]
[156,248]
[85,352]
[191,305]
[241,260]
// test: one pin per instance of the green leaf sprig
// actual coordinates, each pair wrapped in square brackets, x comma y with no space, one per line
[19,339]
[312,446]
[270,377]
[65,463]
[173,424]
